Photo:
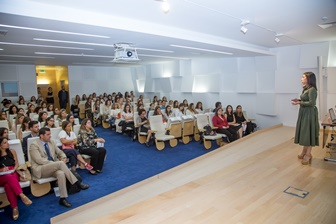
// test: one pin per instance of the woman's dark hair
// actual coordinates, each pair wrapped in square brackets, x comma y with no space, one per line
[37,109]
[241,112]
[11,109]
[23,125]
[217,104]
[156,109]
[311,79]
[197,105]
[64,124]
[48,119]
[227,111]
[40,116]
[140,111]
[107,102]
[9,153]
[2,131]
[126,106]
[217,109]
[166,110]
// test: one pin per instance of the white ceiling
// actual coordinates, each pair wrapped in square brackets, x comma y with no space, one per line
[207,24]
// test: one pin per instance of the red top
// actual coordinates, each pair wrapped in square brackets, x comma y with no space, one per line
[219,123]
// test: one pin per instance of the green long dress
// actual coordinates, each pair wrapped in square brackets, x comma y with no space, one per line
[307,126]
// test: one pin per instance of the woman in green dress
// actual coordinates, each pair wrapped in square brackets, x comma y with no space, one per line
[307,126]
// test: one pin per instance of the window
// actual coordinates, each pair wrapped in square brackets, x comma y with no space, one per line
[9,89]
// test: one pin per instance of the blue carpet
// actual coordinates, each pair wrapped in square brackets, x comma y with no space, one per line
[127,163]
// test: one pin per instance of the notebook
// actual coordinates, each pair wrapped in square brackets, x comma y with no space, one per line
[332,115]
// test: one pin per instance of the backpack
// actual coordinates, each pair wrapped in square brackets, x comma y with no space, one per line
[208,130]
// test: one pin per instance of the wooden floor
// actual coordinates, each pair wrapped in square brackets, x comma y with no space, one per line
[242,182]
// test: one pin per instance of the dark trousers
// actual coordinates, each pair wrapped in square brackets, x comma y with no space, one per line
[72,156]
[97,156]
[230,133]
[63,104]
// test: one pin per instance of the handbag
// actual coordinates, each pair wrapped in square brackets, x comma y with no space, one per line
[121,123]
[69,146]
[23,172]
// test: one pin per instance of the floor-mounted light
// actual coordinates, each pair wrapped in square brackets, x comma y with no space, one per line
[243,24]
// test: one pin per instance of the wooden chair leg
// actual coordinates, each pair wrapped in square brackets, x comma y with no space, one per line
[186,139]
[159,145]
[39,190]
[197,137]
[4,200]
[142,138]
[219,141]
[207,144]
[173,142]
[106,124]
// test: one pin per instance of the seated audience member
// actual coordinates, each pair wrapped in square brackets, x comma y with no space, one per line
[185,103]
[128,117]
[143,124]
[75,108]
[176,104]
[21,111]
[71,119]
[44,105]
[43,116]
[56,111]
[18,121]
[223,126]
[4,118]
[21,101]
[231,119]
[61,117]
[4,132]
[155,100]
[31,109]
[106,111]
[10,182]
[171,103]
[139,107]
[87,144]
[38,110]
[163,105]
[151,108]
[168,113]
[34,128]
[84,98]
[164,98]
[157,111]
[6,104]
[191,110]
[50,122]
[179,112]
[96,112]
[33,99]
[247,126]
[47,160]
[24,127]
[217,105]
[50,108]
[69,142]
[199,108]
[13,109]
[88,109]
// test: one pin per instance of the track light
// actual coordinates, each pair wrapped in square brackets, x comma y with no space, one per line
[277,39]
[243,24]
[165,6]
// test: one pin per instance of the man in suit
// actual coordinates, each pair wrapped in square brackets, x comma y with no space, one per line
[63,97]
[47,160]
[34,128]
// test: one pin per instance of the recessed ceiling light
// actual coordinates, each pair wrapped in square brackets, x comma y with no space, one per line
[49,46]
[200,49]
[53,31]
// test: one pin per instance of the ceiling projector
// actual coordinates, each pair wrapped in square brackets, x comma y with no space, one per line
[124,52]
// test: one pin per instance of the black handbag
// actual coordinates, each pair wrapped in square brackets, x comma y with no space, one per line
[121,123]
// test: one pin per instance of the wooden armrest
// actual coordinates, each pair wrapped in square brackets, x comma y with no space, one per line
[214,127]
[251,119]
[28,164]
[201,129]
[154,131]
[167,129]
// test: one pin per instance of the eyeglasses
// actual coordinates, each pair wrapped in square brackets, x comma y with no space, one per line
[51,120]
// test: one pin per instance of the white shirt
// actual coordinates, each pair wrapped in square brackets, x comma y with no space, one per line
[63,134]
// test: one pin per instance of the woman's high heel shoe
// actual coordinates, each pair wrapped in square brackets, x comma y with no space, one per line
[306,160]
[301,156]
[15,213]
[26,200]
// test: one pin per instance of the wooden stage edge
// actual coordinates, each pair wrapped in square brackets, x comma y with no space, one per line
[225,156]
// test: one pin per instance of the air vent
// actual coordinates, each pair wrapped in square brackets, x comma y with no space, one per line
[3,33]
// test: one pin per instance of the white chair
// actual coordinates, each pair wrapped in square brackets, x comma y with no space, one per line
[210,116]
[158,128]
[33,116]
[188,128]
[202,121]
[175,126]
[54,135]
[12,118]
[25,133]
[76,121]
[50,113]
[41,186]
[16,145]
[11,135]
[4,123]
[76,128]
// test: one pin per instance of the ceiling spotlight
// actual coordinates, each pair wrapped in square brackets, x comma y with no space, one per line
[243,24]
[165,6]
[277,39]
